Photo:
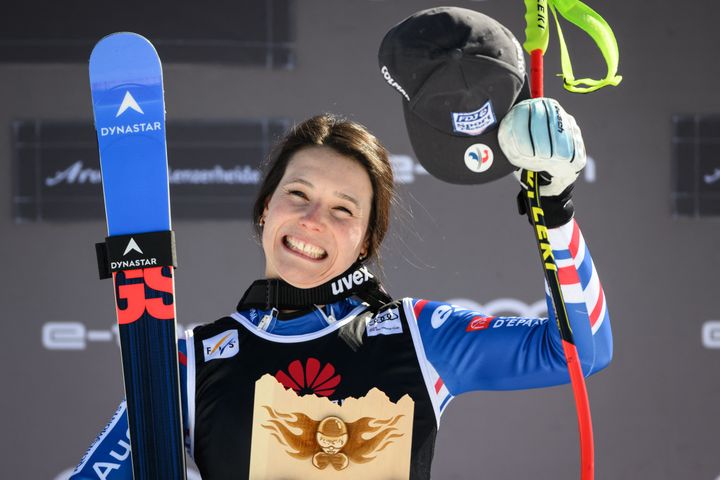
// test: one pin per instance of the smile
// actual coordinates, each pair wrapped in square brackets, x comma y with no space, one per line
[304,249]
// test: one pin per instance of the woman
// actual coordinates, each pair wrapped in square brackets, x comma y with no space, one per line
[318,370]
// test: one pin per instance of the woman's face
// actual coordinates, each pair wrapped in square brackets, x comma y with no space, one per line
[316,220]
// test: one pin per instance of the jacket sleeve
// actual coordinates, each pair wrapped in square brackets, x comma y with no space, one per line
[109,455]
[108,458]
[470,350]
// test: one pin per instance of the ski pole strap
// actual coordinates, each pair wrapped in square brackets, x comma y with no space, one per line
[558,210]
[594,25]
[140,250]
[586,19]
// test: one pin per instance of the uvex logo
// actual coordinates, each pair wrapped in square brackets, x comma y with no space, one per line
[358,277]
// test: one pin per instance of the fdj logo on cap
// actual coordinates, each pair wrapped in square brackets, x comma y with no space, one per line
[474,123]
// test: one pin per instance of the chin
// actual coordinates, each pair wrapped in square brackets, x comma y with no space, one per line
[303,281]
[308,276]
[302,276]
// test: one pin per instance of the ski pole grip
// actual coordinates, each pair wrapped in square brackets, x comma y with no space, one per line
[537,35]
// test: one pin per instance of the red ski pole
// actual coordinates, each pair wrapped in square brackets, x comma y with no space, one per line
[536,42]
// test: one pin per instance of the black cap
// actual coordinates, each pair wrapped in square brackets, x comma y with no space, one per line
[459,73]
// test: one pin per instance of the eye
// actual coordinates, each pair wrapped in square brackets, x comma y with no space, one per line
[297,193]
[344,210]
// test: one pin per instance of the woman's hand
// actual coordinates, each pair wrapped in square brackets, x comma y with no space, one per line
[539,135]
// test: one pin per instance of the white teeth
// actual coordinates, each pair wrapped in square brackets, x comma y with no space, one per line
[310,250]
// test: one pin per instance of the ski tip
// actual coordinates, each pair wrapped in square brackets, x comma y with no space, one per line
[120,40]
[122,51]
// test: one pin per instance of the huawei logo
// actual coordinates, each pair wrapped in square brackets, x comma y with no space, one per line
[309,378]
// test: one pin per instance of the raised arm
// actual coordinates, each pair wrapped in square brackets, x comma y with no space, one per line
[470,351]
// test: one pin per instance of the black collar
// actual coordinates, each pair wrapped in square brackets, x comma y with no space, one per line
[269,293]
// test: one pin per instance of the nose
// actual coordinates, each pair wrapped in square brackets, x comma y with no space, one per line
[313,219]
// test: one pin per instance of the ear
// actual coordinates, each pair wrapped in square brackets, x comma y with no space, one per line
[263,215]
[267,202]
[365,247]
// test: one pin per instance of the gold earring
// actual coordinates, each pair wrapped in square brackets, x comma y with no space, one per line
[261,222]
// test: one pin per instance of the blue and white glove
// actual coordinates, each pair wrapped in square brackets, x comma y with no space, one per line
[539,135]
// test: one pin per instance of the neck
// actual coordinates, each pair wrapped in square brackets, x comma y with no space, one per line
[275,293]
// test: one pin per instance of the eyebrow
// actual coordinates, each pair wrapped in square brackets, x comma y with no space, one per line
[342,195]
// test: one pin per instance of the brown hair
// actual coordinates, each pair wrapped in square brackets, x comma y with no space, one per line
[347,138]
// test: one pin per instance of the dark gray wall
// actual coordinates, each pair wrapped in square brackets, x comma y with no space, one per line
[655,408]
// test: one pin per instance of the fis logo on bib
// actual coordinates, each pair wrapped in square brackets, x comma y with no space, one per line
[222,345]
[474,123]
[386,322]
[358,277]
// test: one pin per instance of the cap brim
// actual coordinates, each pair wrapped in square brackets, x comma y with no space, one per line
[443,155]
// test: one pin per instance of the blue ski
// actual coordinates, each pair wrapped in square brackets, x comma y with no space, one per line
[127,95]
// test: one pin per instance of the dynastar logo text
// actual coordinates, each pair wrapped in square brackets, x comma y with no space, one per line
[132,128]
[358,277]
[129,103]
[133,246]
[139,263]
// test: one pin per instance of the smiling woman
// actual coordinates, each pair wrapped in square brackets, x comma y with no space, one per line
[319,342]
